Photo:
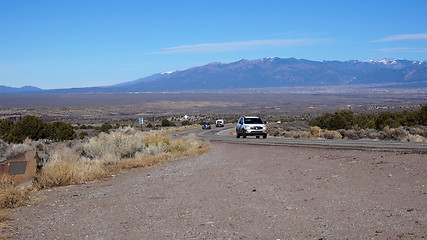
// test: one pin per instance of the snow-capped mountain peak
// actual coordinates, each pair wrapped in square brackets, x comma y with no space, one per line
[169,72]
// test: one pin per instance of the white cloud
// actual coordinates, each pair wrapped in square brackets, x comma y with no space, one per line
[403,49]
[404,37]
[239,45]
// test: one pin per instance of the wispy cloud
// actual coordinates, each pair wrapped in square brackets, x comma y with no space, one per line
[403,49]
[404,37]
[239,45]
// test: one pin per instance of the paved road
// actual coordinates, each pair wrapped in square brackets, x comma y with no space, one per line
[227,135]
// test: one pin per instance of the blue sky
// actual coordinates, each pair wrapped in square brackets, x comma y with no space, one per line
[64,44]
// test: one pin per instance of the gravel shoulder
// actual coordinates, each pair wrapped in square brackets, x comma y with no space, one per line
[238,191]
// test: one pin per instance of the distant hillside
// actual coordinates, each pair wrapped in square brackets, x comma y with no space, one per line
[273,72]
[12,90]
[286,72]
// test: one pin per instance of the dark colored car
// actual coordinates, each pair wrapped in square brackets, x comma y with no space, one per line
[206,125]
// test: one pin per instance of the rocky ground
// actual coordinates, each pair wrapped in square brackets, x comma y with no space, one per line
[238,191]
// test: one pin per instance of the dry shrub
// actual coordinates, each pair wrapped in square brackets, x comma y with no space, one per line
[186,146]
[331,134]
[422,131]
[115,143]
[398,134]
[156,140]
[4,215]
[418,130]
[415,138]
[289,129]
[11,196]
[66,167]
[349,134]
[154,149]
[285,134]
[315,131]
[177,145]
[275,130]
[301,134]
[137,162]
[11,150]
[362,133]
[409,134]
[373,134]
[106,154]
[4,218]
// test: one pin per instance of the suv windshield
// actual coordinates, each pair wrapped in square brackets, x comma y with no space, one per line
[253,121]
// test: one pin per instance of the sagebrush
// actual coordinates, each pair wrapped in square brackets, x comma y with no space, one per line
[108,153]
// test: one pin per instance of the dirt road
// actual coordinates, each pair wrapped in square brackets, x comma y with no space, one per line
[238,191]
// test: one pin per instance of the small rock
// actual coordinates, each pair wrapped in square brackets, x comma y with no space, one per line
[379,231]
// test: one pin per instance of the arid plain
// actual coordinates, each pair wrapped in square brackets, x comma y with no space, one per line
[126,108]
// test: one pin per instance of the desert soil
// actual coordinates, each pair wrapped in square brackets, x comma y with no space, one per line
[238,191]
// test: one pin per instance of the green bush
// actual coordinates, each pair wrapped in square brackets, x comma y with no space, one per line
[33,128]
[83,134]
[167,123]
[343,119]
[386,119]
[185,123]
[364,121]
[62,131]
[346,119]
[5,128]
[422,115]
[105,127]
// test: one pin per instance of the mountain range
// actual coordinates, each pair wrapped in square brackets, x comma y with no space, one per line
[12,90]
[270,72]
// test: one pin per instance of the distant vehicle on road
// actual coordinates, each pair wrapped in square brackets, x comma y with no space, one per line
[251,126]
[219,123]
[206,125]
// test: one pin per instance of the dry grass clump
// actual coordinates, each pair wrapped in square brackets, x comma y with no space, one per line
[67,167]
[120,144]
[315,131]
[102,156]
[161,148]
[11,196]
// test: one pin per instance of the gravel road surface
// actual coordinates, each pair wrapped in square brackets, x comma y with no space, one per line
[239,191]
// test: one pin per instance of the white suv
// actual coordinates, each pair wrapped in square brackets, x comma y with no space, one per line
[251,126]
